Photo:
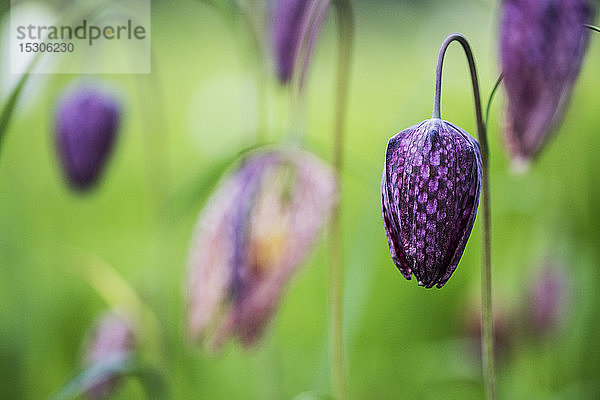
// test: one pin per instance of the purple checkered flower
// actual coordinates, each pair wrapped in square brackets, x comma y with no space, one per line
[86,125]
[252,236]
[542,44]
[429,195]
[295,25]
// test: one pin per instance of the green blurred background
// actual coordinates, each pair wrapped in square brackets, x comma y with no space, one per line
[196,111]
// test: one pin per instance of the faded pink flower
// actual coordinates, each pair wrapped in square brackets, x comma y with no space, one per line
[252,236]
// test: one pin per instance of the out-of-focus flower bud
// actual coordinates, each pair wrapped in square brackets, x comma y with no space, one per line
[429,195]
[86,125]
[112,341]
[253,234]
[295,25]
[548,299]
[542,44]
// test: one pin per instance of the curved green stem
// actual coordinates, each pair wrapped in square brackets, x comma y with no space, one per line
[491,98]
[487,343]
[9,107]
[309,29]
[13,98]
[114,367]
[345,20]
[592,27]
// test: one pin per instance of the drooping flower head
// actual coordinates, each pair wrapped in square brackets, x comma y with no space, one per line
[542,44]
[254,233]
[86,124]
[112,342]
[295,25]
[429,195]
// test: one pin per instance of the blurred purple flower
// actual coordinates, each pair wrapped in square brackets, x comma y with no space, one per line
[548,298]
[112,340]
[252,236]
[429,195]
[542,44]
[86,124]
[295,25]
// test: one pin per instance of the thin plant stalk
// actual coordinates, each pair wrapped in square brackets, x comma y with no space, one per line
[120,366]
[592,27]
[11,103]
[9,107]
[297,115]
[345,21]
[155,132]
[487,343]
[491,98]
[296,88]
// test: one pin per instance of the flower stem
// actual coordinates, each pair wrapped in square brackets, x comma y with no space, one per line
[308,31]
[491,98]
[9,107]
[345,20]
[487,341]
[116,366]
